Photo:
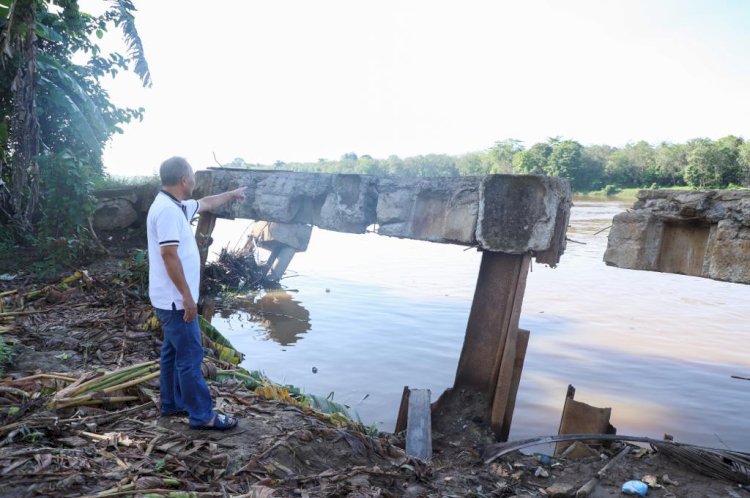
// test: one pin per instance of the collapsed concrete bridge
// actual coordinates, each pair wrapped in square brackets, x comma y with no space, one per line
[509,218]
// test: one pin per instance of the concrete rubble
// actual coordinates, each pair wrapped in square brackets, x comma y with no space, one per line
[699,233]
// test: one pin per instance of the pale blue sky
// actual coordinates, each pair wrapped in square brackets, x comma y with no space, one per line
[301,80]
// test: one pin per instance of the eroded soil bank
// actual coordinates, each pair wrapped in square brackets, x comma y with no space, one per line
[114,443]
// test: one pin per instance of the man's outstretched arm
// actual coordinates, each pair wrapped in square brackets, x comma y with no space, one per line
[212,202]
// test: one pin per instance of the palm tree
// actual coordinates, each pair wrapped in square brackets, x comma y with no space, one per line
[126,22]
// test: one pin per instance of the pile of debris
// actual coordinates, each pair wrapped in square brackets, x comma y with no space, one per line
[237,271]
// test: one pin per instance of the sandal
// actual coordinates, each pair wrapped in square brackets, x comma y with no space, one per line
[221,422]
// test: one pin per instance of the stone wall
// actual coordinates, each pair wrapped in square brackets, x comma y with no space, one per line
[705,234]
[512,214]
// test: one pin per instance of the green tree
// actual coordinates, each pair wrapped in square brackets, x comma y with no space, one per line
[595,159]
[366,165]
[533,161]
[396,166]
[566,160]
[670,161]
[627,167]
[501,155]
[591,176]
[57,116]
[731,164]
[713,164]
[744,164]
[474,164]
[431,165]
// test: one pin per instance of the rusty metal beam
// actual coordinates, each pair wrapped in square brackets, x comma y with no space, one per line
[504,401]
[495,310]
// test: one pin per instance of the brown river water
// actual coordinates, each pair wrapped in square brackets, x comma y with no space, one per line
[363,315]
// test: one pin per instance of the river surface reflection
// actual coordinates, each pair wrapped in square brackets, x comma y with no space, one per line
[276,312]
[373,314]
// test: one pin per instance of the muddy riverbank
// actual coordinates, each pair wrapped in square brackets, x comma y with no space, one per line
[114,443]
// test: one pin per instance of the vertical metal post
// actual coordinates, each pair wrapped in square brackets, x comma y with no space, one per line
[495,310]
[504,401]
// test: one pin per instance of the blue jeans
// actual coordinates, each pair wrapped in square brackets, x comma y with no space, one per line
[181,380]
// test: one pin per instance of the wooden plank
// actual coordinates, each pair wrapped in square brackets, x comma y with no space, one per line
[495,310]
[504,402]
[419,425]
[403,410]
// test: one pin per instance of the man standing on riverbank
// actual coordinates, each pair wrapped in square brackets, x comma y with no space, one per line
[174,279]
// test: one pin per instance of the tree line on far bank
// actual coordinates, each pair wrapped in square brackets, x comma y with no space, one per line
[700,163]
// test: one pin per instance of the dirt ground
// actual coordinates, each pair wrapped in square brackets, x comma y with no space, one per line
[98,323]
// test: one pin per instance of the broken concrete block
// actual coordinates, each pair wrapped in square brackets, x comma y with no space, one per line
[269,235]
[729,253]
[123,207]
[350,205]
[114,214]
[634,241]
[705,234]
[428,209]
[519,212]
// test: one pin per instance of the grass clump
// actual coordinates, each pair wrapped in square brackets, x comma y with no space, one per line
[6,354]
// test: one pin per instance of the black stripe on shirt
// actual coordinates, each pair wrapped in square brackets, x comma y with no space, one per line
[165,242]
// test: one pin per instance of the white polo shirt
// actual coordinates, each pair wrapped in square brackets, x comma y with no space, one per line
[168,224]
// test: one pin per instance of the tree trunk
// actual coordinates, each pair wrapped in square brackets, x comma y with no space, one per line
[24,127]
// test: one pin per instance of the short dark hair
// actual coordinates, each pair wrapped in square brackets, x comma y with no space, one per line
[173,169]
